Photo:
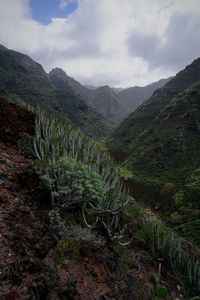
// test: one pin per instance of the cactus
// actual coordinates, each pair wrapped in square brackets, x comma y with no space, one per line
[57,140]
[165,243]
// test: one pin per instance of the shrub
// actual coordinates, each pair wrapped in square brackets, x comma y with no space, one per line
[73,183]
[79,174]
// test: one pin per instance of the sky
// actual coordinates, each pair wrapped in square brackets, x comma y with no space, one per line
[116,42]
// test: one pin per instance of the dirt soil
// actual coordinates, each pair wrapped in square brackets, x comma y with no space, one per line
[27,268]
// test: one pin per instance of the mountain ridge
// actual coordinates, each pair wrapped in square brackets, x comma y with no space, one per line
[25,78]
[132,97]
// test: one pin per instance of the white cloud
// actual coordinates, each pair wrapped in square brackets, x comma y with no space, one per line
[112,42]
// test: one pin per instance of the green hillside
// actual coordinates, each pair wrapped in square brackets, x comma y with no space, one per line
[133,130]
[159,145]
[23,77]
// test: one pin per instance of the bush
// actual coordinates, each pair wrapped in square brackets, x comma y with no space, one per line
[179,198]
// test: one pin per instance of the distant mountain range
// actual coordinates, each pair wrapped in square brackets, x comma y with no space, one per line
[115,104]
[134,96]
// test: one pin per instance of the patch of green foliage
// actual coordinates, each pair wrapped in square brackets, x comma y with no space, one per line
[160,292]
[66,248]
[189,195]
[75,182]
[191,231]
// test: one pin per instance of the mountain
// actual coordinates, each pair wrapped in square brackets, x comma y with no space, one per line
[105,101]
[102,99]
[24,78]
[134,96]
[159,144]
[133,130]
[72,83]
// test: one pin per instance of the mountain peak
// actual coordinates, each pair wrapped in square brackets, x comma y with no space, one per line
[105,87]
[58,72]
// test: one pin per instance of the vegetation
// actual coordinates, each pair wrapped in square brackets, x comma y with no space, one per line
[79,175]
[166,246]
[133,97]
[66,248]
[158,149]
[25,79]
[82,177]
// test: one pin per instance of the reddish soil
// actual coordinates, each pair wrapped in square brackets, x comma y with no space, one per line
[27,268]
[14,122]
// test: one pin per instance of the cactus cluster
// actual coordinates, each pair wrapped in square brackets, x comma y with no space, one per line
[165,243]
[56,140]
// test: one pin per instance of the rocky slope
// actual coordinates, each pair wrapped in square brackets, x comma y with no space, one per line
[26,79]
[28,269]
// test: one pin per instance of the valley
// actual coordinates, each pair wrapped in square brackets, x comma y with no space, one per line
[98,169]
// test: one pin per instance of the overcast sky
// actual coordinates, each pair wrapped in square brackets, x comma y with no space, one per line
[98,42]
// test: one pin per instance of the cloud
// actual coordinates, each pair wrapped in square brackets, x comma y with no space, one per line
[177,47]
[121,43]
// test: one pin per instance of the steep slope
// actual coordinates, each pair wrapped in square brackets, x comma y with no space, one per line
[140,123]
[79,112]
[166,161]
[160,144]
[28,243]
[25,78]
[72,84]
[134,96]
[170,149]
